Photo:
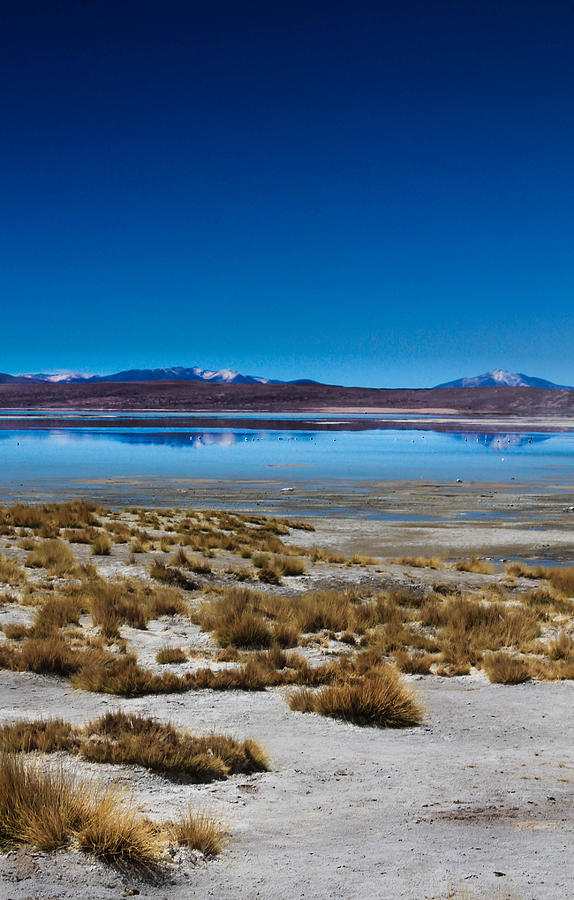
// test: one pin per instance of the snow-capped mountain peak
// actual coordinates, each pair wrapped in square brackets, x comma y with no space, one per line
[175,373]
[501,378]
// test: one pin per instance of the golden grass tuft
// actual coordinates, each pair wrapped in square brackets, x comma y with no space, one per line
[166,655]
[46,806]
[131,739]
[562,647]
[419,562]
[102,545]
[45,735]
[117,833]
[201,831]
[474,564]
[11,572]
[502,668]
[171,575]
[377,698]
[291,566]
[413,663]
[54,555]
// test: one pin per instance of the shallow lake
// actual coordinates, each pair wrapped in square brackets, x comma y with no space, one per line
[70,454]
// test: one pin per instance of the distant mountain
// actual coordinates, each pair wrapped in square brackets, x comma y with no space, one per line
[498,377]
[41,377]
[176,373]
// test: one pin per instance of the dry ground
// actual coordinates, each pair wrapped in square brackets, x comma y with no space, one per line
[473,802]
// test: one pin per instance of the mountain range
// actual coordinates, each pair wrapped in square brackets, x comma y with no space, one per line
[176,373]
[494,378]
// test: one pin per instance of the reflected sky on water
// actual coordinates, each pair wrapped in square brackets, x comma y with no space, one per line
[85,453]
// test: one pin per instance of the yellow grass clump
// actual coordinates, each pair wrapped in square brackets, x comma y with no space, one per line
[503,668]
[131,739]
[166,655]
[54,555]
[419,562]
[201,831]
[46,806]
[479,566]
[377,698]
[102,545]
[11,572]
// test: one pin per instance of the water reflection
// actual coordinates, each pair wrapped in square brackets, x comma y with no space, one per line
[167,438]
[377,454]
[499,440]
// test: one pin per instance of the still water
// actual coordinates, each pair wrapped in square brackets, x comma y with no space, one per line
[44,455]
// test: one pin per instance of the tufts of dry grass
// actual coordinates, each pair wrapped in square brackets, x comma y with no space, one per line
[40,805]
[55,613]
[193,563]
[562,647]
[503,668]
[201,831]
[11,572]
[79,535]
[467,627]
[562,578]
[270,575]
[319,610]
[113,603]
[17,632]
[117,833]
[137,740]
[478,566]
[413,663]
[419,562]
[171,575]
[359,560]
[131,739]
[235,618]
[46,806]
[45,735]
[521,570]
[54,555]
[291,566]
[102,545]
[170,655]
[50,517]
[45,656]
[377,698]
[248,631]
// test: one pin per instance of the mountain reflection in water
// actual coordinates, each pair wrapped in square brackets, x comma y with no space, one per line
[231,453]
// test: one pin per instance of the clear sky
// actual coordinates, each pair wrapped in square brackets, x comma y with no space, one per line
[363,193]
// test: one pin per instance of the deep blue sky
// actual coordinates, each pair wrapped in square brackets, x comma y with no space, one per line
[366,193]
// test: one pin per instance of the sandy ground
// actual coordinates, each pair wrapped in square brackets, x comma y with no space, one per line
[484,787]
[474,803]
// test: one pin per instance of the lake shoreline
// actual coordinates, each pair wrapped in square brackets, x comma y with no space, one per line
[165,422]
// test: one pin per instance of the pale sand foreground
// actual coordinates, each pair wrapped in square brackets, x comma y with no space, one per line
[484,786]
[475,803]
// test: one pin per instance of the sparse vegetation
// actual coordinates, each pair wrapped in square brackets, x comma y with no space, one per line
[46,806]
[102,545]
[377,698]
[122,738]
[170,655]
[201,831]
[11,572]
[502,668]
[479,566]
[419,562]
[54,555]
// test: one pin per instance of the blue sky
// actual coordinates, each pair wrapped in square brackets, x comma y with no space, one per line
[361,193]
